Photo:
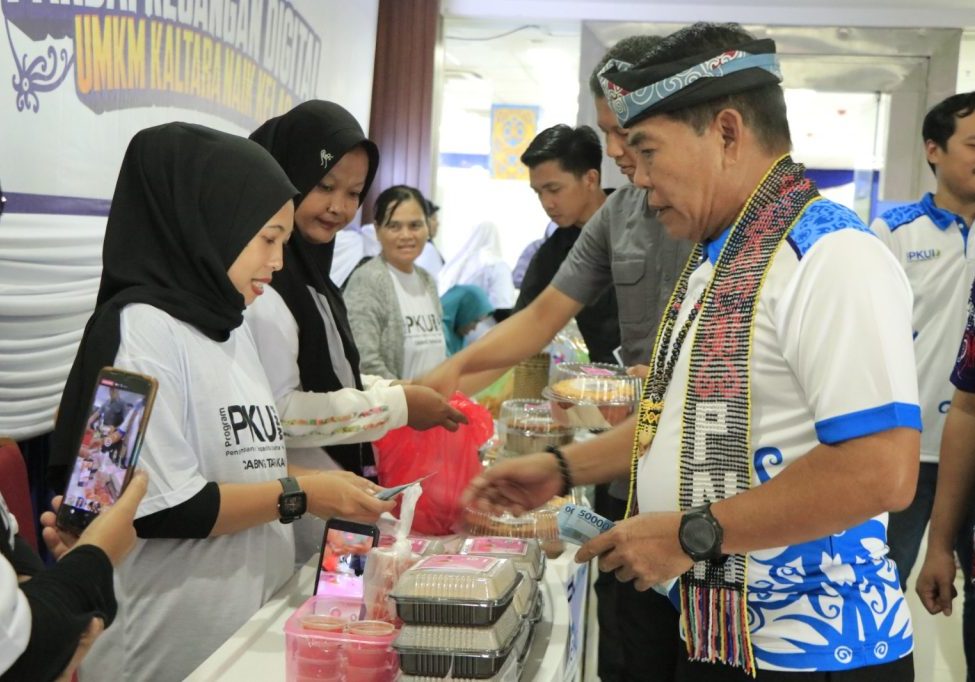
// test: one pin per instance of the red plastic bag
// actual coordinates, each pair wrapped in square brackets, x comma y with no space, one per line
[450,458]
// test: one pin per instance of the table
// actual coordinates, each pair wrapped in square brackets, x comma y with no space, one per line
[256,650]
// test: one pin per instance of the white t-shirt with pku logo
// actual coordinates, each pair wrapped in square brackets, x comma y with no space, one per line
[214,419]
[932,246]
[424,347]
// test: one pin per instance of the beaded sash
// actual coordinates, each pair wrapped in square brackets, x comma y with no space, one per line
[715,461]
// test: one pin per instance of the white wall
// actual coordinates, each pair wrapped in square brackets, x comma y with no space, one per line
[71,146]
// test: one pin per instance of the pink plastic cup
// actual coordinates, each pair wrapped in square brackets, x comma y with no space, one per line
[312,669]
[371,674]
[370,656]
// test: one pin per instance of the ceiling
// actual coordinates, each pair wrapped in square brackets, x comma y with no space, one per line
[501,61]
[489,60]
[886,13]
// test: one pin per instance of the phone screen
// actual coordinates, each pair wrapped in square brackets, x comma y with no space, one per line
[343,558]
[108,449]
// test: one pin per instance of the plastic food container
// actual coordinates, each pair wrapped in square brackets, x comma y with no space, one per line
[508,673]
[536,613]
[526,594]
[527,426]
[523,643]
[539,524]
[421,546]
[452,589]
[472,652]
[326,641]
[524,553]
[592,395]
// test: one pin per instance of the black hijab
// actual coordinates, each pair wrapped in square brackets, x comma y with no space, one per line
[187,201]
[308,141]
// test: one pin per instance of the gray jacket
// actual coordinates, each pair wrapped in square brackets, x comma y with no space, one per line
[376,319]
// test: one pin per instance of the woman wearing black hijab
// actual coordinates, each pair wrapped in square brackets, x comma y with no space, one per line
[195,231]
[302,328]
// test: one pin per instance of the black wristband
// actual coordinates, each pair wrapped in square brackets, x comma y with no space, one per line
[563,469]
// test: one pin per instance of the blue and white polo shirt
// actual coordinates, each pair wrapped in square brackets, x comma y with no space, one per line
[832,360]
[932,246]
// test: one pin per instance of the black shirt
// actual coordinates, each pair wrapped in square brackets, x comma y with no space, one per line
[599,322]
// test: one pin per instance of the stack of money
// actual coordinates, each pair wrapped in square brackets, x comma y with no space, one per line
[580,524]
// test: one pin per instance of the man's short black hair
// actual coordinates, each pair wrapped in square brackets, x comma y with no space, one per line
[939,123]
[576,149]
[632,49]
[762,109]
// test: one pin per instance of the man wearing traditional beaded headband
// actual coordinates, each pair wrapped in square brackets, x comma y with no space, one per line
[780,419]
[624,247]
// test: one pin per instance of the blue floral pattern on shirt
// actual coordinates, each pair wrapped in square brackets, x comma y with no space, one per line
[902,215]
[819,219]
[840,597]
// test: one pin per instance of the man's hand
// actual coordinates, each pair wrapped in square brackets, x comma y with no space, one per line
[644,548]
[426,408]
[638,371]
[516,485]
[936,581]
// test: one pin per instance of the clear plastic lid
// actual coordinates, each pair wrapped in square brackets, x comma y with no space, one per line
[457,577]
[525,596]
[486,639]
[539,524]
[420,546]
[523,552]
[529,417]
[593,384]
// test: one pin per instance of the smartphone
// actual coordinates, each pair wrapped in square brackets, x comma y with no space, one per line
[343,557]
[108,446]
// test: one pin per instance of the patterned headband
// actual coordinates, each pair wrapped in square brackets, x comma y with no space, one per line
[630,105]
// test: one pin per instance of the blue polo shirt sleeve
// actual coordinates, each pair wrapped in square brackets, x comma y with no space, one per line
[845,325]
[963,376]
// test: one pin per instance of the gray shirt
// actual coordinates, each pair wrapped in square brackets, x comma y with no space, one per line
[623,245]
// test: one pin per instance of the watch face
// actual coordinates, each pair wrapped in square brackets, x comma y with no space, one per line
[292,505]
[699,536]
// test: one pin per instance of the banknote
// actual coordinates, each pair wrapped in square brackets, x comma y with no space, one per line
[390,493]
[580,524]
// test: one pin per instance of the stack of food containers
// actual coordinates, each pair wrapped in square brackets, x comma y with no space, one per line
[528,559]
[460,617]
[327,642]
[526,555]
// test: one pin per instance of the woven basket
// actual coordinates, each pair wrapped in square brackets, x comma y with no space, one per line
[531,376]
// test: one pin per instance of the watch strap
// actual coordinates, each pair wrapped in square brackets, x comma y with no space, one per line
[289,484]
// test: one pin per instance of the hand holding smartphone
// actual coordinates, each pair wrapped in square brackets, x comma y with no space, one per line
[108,446]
